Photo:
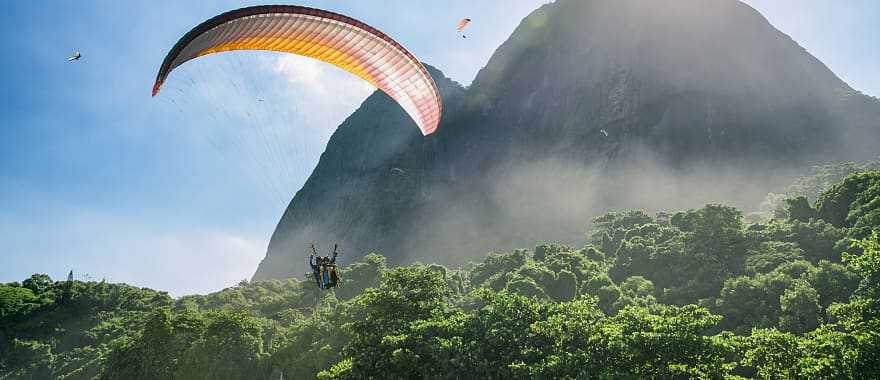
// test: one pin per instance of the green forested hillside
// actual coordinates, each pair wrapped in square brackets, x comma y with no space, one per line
[697,293]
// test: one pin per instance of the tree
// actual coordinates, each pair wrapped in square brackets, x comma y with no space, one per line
[772,354]
[799,209]
[714,249]
[497,263]
[363,274]
[15,302]
[828,353]
[667,342]
[744,305]
[799,308]
[821,177]
[834,282]
[852,203]
[157,351]
[573,342]
[609,229]
[32,359]
[231,347]
[635,290]
[817,238]
[312,345]
[38,283]
[770,255]
[564,288]
[381,317]
[545,250]
[526,286]
[867,263]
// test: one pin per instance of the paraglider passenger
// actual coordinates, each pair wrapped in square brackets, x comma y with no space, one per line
[325,272]
[334,275]
[316,269]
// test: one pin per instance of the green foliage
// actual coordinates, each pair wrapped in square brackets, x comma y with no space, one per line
[868,263]
[799,209]
[564,287]
[310,345]
[822,177]
[361,275]
[381,316]
[669,341]
[231,347]
[38,283]
[799,308]
[611,228]
[853,203]
[817,239]
[496,264]
[16,301]
[526,286]
[835,282]
[156,352]
[691,294]
[772,353]
[40,337]
[770,255]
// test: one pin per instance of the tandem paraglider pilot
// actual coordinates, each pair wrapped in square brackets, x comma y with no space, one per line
[324,268]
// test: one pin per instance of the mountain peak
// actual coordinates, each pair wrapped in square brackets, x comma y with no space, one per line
[590,105]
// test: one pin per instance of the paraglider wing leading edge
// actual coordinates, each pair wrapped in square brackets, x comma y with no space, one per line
[330,37]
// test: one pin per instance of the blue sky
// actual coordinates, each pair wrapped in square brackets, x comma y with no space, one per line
[172,192]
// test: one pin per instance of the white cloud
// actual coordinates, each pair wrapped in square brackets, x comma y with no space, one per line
[325,91]
[119,249]
[193,262]
[300,70]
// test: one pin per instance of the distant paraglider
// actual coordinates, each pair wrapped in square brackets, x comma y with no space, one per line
[75,57]
[326,36]
[462,24]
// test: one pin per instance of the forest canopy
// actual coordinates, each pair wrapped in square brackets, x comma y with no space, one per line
[705,293]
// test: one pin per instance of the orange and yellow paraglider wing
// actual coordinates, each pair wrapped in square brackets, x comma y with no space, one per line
[462,24]
[336,39]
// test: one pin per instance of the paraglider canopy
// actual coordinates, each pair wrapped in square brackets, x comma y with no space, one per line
[463,23]
[330,37]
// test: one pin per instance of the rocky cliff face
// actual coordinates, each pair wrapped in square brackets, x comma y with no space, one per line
[590,105]
[375,172]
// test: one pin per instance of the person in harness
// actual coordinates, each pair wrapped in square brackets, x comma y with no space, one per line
[315,264]
[324,268]
[330,269]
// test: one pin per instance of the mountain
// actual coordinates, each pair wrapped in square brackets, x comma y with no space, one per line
[374,172]
[590,105]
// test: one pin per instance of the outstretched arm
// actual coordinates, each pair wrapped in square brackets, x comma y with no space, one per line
[333,260]
[312,255]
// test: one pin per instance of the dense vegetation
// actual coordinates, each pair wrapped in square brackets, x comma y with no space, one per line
[698,293]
